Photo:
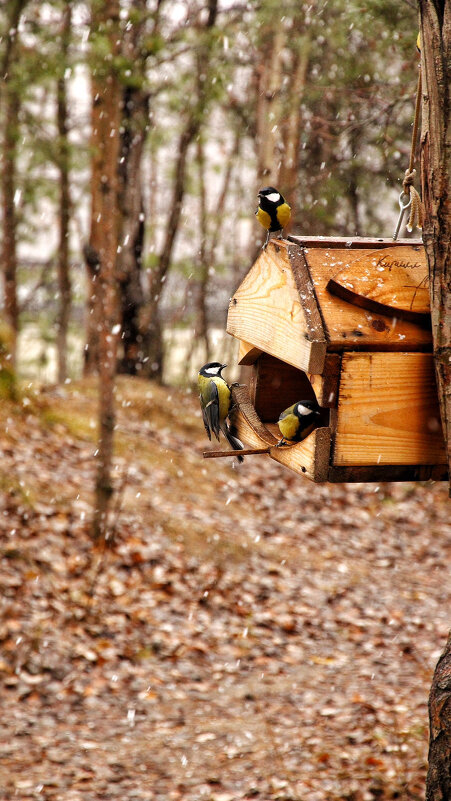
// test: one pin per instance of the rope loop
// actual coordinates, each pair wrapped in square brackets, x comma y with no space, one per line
[409,178]
[408,190]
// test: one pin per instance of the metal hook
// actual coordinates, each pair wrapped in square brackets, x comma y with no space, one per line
[403,208]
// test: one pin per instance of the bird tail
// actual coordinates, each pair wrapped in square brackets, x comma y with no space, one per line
[233,441]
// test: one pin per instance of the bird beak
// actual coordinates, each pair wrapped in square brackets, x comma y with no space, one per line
[224,365]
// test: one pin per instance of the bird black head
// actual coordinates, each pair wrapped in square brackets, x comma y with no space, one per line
[270,198]
[306,407]
[268,190]
[211,369]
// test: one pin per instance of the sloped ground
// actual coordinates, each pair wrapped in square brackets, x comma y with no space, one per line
[248,635]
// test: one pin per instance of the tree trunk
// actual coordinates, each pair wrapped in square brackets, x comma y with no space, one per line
[64,284]
[292,124]
[438,787]
[11,105]
[435,16]
[269,107]
[200,333]
[9,221]
[104,242]
[436,186]
[134,129]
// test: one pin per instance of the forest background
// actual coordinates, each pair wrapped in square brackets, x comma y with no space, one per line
[233,634]
[216,100]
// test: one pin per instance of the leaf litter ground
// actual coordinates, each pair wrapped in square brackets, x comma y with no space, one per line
[246,634]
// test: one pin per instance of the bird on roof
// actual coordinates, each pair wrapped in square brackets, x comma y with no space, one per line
[298,421]
[273,211]
[216,404]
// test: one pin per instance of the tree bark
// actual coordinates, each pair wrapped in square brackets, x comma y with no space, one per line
[64,283]
[438,786]
[436,175]
[134,129]
[106,112]
[435,17]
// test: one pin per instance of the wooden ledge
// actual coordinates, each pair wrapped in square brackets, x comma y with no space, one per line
[309,458]
[350,242]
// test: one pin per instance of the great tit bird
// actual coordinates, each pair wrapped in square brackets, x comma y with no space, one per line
[273,212]
[216,402]
[298,421]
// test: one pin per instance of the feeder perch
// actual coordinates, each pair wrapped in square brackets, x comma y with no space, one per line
[346,321]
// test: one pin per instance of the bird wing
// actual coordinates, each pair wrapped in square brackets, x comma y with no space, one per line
[263,217]
[205,419]
[210,410]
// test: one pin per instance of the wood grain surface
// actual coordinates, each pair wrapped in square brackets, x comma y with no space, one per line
[388,411]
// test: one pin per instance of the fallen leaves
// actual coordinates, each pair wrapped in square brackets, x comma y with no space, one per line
[247,634]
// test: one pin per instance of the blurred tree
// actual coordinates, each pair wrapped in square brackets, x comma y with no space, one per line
[328,111]
[105,146]
[10,99]
[63,162]
[141,42]
[194,116]
[317,98]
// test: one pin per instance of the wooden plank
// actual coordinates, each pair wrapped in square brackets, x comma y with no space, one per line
[352,242]
[266,311]
[247,353]
[388,411]
[250,428]
[325,386]
[309,458]
[306,292]
[382,473]
[275,385]
[392,281]
[349,327]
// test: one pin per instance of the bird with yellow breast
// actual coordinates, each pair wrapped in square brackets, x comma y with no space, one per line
[273,212]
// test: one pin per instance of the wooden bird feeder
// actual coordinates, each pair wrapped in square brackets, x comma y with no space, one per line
[347,321]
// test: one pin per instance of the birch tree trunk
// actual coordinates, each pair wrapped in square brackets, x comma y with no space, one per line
[435,16]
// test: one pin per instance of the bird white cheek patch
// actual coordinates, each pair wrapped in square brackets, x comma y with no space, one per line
[212,370]
[303,409]
[273,197]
